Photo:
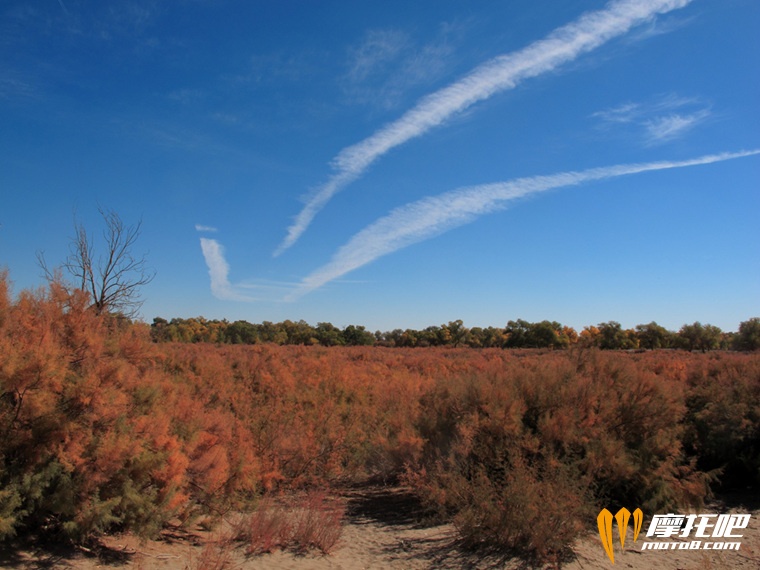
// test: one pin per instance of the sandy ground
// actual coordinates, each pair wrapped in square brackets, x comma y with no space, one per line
[382,530]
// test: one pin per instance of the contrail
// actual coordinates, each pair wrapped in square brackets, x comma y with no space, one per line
[218,270]
[435,215]
[221,288]
[499,74]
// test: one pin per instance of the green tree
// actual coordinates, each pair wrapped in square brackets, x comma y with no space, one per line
[394,337]
[430,336]
[517,333]
[748,337]
[457,333]
[329,335]
[358,336]
[160,331]
[494,337]
[652,336]
[409,338]
[546,334]
[476,337]
[699,337]
[613,337]
[241,332]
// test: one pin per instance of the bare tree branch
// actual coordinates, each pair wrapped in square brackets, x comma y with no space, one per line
[112,279]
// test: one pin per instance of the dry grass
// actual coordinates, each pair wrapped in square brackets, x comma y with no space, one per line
[217,554]
[314,522]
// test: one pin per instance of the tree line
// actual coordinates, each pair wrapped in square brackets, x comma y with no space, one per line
[112,275]
[516,334]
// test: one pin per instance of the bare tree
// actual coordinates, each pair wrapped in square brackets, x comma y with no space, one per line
[114,276]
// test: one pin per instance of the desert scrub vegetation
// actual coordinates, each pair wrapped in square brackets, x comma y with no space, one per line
[94,436]
[521,455]
[300,524]
[103,430]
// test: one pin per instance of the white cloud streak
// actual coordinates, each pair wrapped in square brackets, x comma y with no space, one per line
[219,270]
[673,126]
[434,215]
[499,74]
[221,288]
[389,62]
[202,228]
[662,120]
[378,49]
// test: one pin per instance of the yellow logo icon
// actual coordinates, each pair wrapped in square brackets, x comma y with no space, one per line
[604,521]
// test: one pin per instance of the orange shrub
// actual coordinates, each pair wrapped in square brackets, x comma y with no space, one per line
[87,440]
[522,452]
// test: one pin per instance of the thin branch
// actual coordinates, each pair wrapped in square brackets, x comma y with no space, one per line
[113,279]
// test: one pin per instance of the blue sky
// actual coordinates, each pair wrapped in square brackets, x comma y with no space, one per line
[395,164]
